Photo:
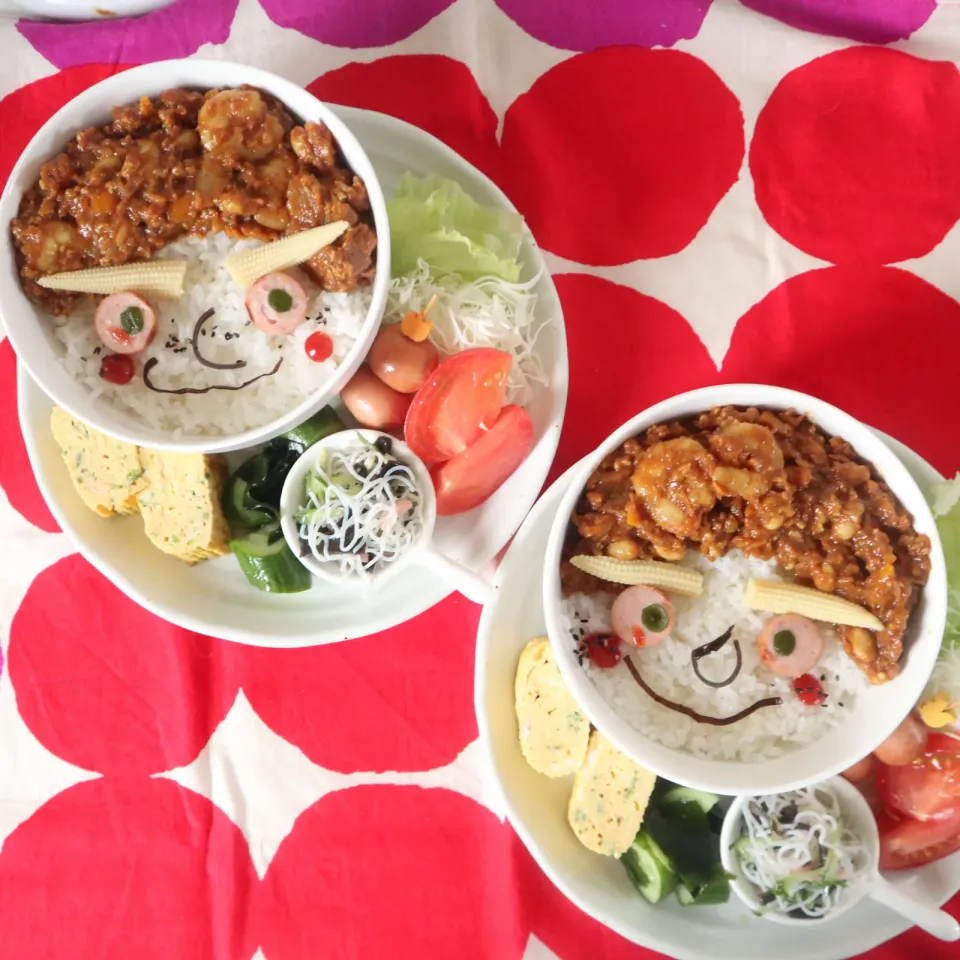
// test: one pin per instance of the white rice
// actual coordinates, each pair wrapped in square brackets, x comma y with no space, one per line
[218,412]
[667,668]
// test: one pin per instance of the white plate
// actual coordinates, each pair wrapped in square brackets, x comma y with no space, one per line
[537,805]
[79,9]
[32,335]
[214,598]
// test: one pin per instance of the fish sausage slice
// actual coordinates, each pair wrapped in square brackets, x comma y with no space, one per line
[125,323]
[627,616]
[277,304]
[800,645]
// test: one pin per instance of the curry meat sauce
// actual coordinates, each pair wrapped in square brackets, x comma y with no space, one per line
[774,486]
[191,163]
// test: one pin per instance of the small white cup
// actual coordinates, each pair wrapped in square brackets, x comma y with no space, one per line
[79,9]
[859,818]
[422,553]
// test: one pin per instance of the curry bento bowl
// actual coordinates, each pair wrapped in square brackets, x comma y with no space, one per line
[228,182]
[177,235]
[744,589]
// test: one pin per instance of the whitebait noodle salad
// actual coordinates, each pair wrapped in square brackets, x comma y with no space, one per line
[798,853]
[362,510]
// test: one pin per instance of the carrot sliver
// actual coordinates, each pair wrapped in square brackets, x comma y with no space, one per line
[416,326]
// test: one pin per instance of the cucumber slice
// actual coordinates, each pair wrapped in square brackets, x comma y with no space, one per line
[238,505]
[268,563]
[706,801]
[347,482]
[649,868]
[267,541]
[704,891]
[316,485]
[682,830]
[320,425]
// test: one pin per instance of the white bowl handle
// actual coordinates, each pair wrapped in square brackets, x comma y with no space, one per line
[470,584]
[937,923]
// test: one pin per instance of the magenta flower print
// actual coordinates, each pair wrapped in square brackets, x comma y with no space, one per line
[578,25]
[868,21]
[354,23]
[177,30]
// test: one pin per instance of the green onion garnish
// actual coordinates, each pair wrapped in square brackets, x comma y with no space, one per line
[131,320]
[279,300]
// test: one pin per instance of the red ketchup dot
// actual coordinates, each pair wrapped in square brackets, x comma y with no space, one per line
[117,368]
[808,690]
[603,649]
[318,346]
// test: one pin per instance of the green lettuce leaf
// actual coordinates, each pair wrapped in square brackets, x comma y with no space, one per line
[435,220]
[946,508]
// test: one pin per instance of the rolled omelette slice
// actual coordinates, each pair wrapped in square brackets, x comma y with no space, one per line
[553,730]
[609,799]
[107,473]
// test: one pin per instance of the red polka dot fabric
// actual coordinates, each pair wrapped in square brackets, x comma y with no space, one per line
[726,191]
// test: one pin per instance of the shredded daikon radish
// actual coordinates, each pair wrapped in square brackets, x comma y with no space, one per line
[796,850]
[363,509]
[489,312]
[946,676]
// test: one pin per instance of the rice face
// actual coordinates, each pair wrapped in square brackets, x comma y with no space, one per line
[227,337]
[667,668]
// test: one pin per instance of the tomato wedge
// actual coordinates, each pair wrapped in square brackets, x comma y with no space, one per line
[912,843]
[460,400]
[470,477]
[928,788]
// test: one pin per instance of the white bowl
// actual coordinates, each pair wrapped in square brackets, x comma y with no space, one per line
[293,496]
[878,710]
[858,818]
[79,9]
[29,328]
[420,553]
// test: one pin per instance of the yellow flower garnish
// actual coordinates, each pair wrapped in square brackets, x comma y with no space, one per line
[938,711]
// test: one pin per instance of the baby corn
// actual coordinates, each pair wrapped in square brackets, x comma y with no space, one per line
[654,573]
[247,267]
[159,278]
[772,596]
